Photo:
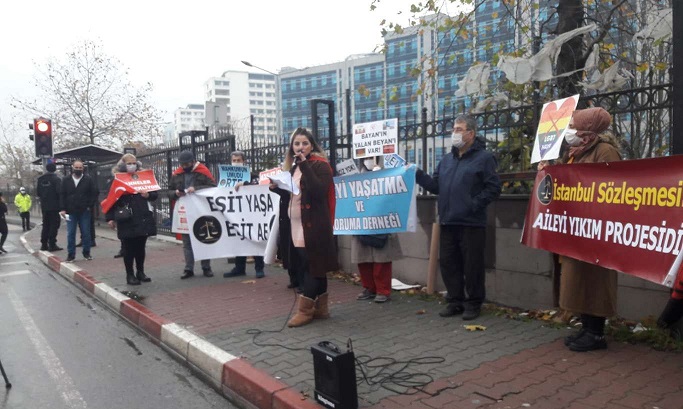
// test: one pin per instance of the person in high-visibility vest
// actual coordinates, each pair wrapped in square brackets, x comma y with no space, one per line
[23,203]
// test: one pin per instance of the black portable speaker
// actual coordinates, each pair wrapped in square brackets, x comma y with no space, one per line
[335,376]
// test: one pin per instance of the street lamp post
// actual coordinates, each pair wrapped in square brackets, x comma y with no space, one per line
[278,98]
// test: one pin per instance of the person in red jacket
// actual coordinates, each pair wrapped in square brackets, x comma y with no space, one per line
[188,178]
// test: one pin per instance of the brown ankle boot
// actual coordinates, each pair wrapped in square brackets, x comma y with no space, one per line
[321,307]
[304,314]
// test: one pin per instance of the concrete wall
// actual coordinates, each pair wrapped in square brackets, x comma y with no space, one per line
[517,275]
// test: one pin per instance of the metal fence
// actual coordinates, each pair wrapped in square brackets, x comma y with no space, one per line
[642,123]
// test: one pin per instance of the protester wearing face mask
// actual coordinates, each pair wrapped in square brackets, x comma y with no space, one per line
[466,182]
[133,231]
[237,158]
[374,261]
[588,290]
[186,179]
[78,196]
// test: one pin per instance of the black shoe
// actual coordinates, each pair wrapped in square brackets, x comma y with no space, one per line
[55,248]
[131,279]
[451,310]
[208,273]
[187,274]
[119,254]
[471,313]
[87,256]
[588,342]
[3,250]
[234,273]
[79,244]
[573,337]
[43,247]
[290,285]
[70,258]
[143,277]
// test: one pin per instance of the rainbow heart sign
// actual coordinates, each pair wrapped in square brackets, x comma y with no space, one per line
[554,121]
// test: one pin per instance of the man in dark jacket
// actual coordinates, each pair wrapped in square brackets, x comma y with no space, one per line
[77,199]
[189,177]
[48,187]
[466,182]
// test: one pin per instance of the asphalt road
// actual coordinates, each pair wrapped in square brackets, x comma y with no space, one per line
[62,349]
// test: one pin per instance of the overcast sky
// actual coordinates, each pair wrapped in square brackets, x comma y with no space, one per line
[178,45]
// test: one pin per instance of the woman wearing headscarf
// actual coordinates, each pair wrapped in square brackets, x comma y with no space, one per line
[306,239]
[586,289]
[134,230]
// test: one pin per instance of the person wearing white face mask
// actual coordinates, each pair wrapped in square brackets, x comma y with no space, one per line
[466,182]
[237,158]
[374,257]
[134,230]
[588,290]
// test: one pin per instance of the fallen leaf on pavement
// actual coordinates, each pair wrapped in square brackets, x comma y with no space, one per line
[475,327]
[420,312]
[249,282]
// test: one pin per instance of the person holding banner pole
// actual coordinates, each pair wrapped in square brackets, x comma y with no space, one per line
[374,259]
[237,158]
[466,181]
[587,289]
[306,238]
[186,179]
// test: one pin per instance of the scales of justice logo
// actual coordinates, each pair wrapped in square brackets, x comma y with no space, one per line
[544,191]
[207,229]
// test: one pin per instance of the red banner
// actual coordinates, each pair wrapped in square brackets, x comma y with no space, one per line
[116,190]
[627,215]
[142,181]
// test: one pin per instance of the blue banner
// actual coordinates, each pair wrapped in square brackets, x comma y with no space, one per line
[375,202]
[229,175]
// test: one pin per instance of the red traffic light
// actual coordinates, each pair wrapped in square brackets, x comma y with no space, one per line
[42,126]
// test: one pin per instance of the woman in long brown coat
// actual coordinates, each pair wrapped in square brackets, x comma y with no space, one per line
[587,289]
[306,238]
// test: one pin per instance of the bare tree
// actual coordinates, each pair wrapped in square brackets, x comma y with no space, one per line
[16,155]
[90,100]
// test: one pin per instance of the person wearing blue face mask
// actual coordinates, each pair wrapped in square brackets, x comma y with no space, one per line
[189,177]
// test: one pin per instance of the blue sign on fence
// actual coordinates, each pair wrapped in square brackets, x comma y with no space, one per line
[375,202]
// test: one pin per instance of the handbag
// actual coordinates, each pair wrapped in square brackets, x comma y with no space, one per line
[377,241]
[123,214]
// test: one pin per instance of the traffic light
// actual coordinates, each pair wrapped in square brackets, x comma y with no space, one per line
[42,129]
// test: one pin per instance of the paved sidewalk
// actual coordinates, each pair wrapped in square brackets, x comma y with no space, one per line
[265,364]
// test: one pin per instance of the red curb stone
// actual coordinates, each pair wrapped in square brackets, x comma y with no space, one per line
[54,263]
[131,310]
[291,399]
[85,280]
[151,323]
[254,385]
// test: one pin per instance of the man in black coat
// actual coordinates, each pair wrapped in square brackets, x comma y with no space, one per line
[77,199]
[48,188]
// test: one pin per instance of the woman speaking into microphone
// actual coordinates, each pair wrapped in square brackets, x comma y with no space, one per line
[306,239]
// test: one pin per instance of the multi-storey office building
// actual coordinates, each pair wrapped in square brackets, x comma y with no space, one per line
[245,94]
[190,118]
